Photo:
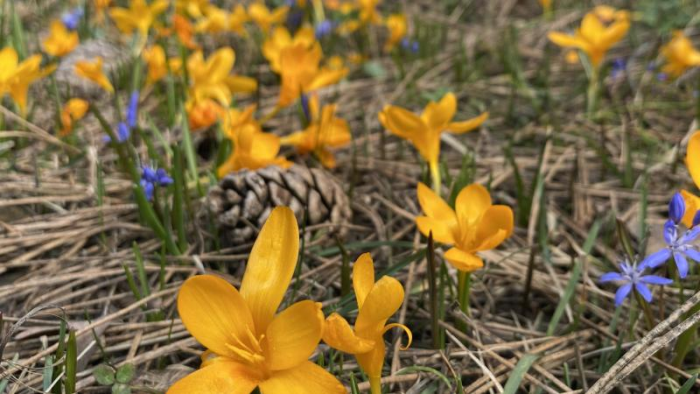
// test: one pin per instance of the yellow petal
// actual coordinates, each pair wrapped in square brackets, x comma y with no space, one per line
[496,225]
[214,313]
[405,329]
[372,361]
[592,29]
[442,230]
[463,261]
[220,64]
[565,40]
[402,122]
[692,204]
[338,334]
[219,377]
[615,33]
[306,378]
[326,77]
[383,300]
[471,203]
[438,115]
[692,158]
[467,125]
[271,266]
[240,84]
[293,335]
[434,206]
[363,277]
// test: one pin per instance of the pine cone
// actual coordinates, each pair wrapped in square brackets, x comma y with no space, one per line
[243,200]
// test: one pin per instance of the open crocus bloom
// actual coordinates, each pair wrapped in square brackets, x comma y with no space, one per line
[16,76]
[92,71]
[139,16]
[74,109]
[477,225]
[594,38]
[692,161]
[680,55]
[398,26]
[158,64]
[252,148]
[264,18]
[377,302]
[249,345]
[280,39]
[61,41]
[324,131]
[211,79]
[424,131]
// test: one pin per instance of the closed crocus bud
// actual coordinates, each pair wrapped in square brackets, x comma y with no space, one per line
[676,208]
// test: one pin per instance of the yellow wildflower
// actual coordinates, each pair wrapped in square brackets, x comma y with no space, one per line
[593,38]
[203,114]
[249,344]
[74,109]
[252,148]
[93,72]
[100,6]
[680,55]
[139,16]
[692,161]
[15,76]
[324,131]
[158,64]
[477,225]
[264,18]
[368,11]
[212,79]
[193,8]
[185,31]
[236,20]
[60,41]
[398,27]
[281,39]
[424,130]
[376,302]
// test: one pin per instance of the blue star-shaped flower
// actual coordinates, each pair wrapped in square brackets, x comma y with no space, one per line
[630,276]
[150,178]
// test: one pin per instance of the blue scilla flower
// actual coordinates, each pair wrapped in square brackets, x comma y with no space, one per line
[631,276]
[123,133]
[150,178]
[71,19]
[619,66]
[679,243]
[323,29]
[410,45]
[132,109]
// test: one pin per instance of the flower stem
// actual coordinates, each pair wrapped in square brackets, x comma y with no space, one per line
[375,385]
[592,93]
[464,289]
[433,292]
[435,176]
[645,308]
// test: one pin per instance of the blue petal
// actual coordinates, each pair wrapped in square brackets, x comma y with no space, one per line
[655,280]
[693,254]
[622,293]
[676,208]
[611,276]
[690,235]
[644,291]
[681,264]
[122,132]
[132,109]
[670,232]
[655,259]
[696,218]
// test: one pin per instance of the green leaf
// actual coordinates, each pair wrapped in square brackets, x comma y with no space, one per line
[120,388]
[104,374]
[417,368]
[518,373]
[685,389]
[125,373]
[71,363]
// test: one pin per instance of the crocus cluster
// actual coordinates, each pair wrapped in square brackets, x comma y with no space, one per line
[250,344]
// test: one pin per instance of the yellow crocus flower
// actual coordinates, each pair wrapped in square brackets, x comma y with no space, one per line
[185,31]
[203,114]
[324,131]
[302,73]
[680,55]
[193,8]
[424,131]
[60,41]
[212,79]
[236,20]
[252,148]
[93,72]
[16,76]
[264,18]
[158,64]
[74,109]
[376,302]
[281,39]
[368,11]
[100,6]
[398,26]
[249,344]
[214,21]
[139,16]
[692,161]
[546,5]
[474,225]
[594,38]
